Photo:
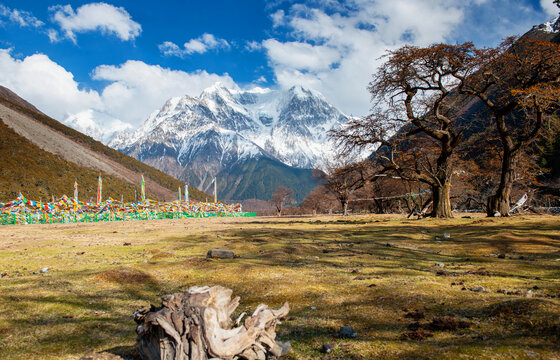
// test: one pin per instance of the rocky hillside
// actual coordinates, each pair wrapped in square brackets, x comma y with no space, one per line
[41,157]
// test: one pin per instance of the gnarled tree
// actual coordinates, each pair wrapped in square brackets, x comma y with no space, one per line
[415,105]
[518,83]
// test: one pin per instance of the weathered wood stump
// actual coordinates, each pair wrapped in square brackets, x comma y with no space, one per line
[197,325]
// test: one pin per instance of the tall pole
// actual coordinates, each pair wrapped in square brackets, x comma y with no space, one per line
[143,188]
[179,194]
[186,192]
[215,196]
[99,190]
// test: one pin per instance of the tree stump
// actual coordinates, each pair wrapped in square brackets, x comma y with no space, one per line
[197,325]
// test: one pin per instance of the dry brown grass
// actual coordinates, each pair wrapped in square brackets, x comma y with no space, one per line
[333,271]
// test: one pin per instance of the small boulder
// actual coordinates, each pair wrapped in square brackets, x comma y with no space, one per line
[446,235]
[347,332]
[501,256]
[479,289]
[327,348]
[438,264]
[220,254]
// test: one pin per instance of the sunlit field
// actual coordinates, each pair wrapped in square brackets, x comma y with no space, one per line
[412,289]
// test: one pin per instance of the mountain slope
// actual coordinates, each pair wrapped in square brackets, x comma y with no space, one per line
[227,133]
[41,137]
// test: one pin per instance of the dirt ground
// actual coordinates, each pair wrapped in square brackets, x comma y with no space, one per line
[470,287]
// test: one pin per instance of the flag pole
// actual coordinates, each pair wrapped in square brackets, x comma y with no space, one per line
[215,196]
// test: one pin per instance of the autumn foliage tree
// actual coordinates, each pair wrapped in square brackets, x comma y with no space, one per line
[518,83]
[414,102]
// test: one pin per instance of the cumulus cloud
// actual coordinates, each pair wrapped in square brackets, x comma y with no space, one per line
[44,83]
[199,45]
[20,17]
[95,17]
[300,55]
[549,7]
[334,47]
[134,90]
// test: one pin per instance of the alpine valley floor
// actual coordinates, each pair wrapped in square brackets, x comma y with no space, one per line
[488,289]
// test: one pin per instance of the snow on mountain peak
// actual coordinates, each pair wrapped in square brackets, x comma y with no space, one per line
[552,26]
[290,126]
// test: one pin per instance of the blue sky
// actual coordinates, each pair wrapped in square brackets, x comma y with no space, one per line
[112,63]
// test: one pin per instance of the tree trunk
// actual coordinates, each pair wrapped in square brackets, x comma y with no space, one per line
[498,203]
[196,325]
[345,207]
[441,206]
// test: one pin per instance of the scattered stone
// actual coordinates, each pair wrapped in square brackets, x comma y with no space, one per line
[127,244]
[501,256]
[327,348]
[362,278]
[479,289]
[80,253]
[439,264]
[313,308]
[535,287]
[446,235]
[219,236]
[220,254]
[388,245]
[529,293]
[355,271]
[347,332]
[521,257]
[42,271]
[372,285]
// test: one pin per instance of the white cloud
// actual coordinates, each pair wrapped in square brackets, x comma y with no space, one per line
[135,89]
[335,47]
[199,45]
[95,17]
[277,18]
[20,17]
[300,55]
[549,7]
[252,46]
[45,84]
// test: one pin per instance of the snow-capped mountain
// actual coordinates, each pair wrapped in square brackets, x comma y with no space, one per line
[195,138]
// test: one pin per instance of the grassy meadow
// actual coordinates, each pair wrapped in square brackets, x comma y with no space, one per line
[409,291]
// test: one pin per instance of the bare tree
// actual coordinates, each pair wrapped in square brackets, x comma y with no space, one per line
[281,196]
[415,105]
[344,178]
[317,200]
